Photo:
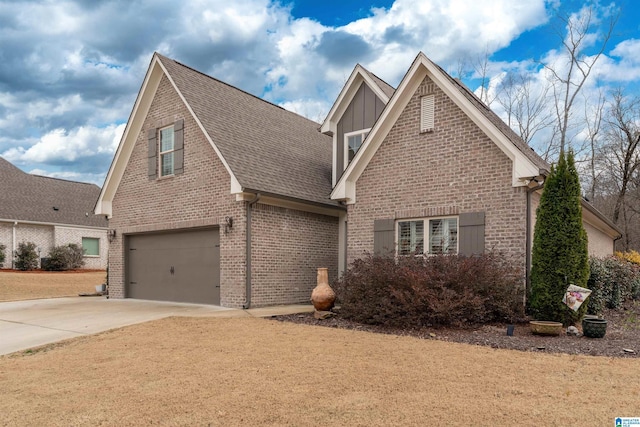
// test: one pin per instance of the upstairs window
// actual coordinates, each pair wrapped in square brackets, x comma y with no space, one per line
[427,112]
[352,143]
[441,236]
[167,148]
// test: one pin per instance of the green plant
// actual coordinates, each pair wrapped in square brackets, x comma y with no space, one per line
[26,257]
[436,290]
[64,257]
[559,255]
[2,255]
[612,281]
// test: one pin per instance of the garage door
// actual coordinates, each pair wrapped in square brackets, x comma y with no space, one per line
[178,266]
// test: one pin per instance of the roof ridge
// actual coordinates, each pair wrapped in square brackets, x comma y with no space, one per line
[60,179]
[235,88]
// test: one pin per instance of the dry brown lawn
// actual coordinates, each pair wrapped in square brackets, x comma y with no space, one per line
[18,285]
[248,371]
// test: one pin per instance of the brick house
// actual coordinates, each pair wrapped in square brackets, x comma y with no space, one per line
[50,212]
[217,196]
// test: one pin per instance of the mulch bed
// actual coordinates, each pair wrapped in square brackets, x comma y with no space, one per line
[623,332]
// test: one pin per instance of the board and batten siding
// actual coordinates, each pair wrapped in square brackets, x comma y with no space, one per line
[362,113]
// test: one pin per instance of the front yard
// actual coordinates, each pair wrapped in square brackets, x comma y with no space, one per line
[222,372]
[23,285]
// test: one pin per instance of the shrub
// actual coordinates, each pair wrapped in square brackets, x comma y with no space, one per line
[559,255]
[65,257]
[2,255]
[26,257]
[436,290]
[612,281]
[631,256]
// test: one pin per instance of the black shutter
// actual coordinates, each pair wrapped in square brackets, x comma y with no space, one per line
[471,229]
[152,156]
[178,146]
[383,236]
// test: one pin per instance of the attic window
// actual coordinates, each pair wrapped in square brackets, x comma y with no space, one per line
[166,151]
[427,113]
[352,143]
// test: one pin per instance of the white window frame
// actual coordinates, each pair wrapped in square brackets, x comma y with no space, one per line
[166,152]
[364,133]
[83,250]
[426,237]
[427,113]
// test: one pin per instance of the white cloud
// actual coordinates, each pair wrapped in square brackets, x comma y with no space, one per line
[61,146]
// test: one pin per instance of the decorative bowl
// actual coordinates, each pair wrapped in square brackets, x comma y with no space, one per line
[544,327]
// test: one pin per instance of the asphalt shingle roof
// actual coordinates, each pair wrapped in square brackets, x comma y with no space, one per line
[268,148]
[26,197]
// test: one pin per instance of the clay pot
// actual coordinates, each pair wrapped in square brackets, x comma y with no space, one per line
[322,295]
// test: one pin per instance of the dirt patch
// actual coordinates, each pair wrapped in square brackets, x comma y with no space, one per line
[19,285]
[623,332]
[221,372]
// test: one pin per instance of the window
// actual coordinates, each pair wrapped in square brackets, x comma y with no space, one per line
[427,113]
[442,236]
[167,148]
[91,246]
[352,143]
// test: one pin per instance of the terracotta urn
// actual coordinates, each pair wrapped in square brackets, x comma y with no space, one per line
[322,295]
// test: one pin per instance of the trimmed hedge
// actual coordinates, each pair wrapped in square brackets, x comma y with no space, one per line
[436,290]
[26,257]
[65,257]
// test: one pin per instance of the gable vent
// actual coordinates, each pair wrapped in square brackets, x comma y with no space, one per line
[427,113]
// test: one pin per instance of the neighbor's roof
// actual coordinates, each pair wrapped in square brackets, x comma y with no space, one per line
[26,197]
[268,148]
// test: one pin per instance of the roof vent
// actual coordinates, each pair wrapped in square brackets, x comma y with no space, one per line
[55,208]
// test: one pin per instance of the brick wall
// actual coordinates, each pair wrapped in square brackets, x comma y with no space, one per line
[6,237]
[454,169]
[66,235]
[287,248]
[198,197]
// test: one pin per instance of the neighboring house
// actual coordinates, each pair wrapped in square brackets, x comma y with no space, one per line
[50,212]
[216,196]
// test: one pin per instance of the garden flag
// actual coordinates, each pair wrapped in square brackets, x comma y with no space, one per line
[575,296]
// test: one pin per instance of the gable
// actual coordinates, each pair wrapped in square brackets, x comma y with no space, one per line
[522,165]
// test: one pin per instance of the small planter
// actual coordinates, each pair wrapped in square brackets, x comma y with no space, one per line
[594,328]
[544,327]
[101,288]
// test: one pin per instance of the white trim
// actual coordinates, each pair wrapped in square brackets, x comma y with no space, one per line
[358,75]
[345,188]
[346,143]
[426,242]
[53,224]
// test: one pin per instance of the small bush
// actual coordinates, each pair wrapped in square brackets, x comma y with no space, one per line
[436,290]
[612,281]
[631,256]
[65,257]
[26,257]
[2,255]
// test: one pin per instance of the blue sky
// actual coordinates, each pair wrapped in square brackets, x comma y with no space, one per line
[70,69]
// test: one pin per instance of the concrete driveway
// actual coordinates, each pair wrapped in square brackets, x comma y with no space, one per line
[27,324]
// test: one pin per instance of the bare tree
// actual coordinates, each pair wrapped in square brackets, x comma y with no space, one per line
[593,121]
[526,106]
[568,78]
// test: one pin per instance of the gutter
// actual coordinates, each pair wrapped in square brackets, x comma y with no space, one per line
[250,204]
[13,245]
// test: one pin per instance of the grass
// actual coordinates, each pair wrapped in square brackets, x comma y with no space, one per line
[18,285]
[247,371]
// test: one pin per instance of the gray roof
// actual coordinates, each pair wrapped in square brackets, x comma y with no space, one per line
[269,149]
[26,197]
[384,86]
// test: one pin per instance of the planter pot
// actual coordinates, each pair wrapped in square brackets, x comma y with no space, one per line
[322,295]
[544,327]
[510,329]
[101,288]
[594,328]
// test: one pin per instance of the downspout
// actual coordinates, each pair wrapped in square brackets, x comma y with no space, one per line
[13,245]
[252,202]
[528,239]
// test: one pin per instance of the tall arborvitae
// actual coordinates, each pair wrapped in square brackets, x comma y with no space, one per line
[560,254]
